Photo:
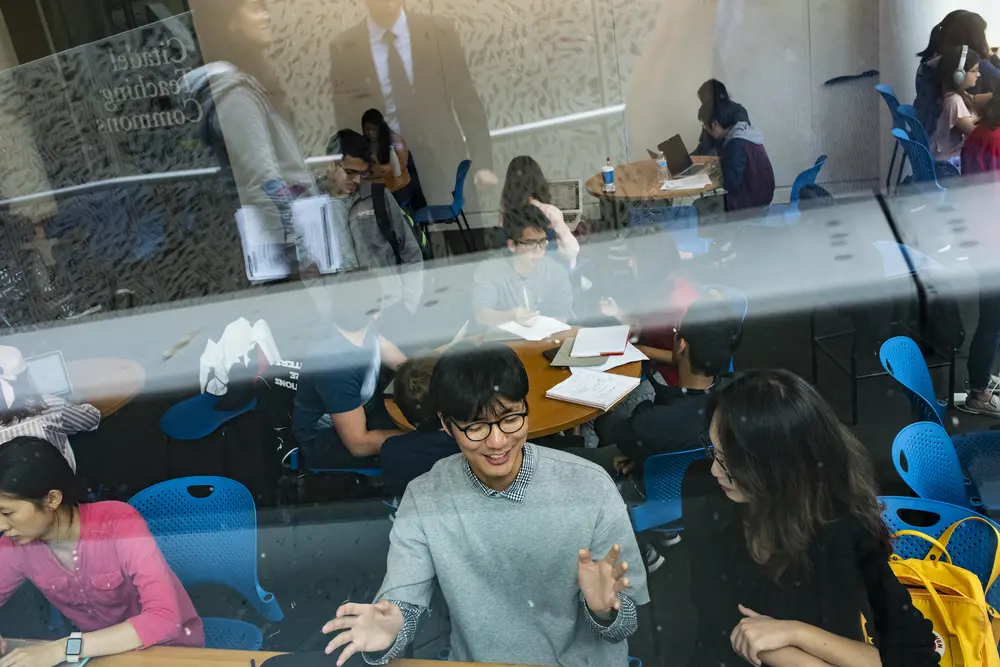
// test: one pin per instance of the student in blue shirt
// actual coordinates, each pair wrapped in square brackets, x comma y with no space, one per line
[338,417]
[408,456]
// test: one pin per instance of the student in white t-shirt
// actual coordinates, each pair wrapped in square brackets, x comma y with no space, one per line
[958,119]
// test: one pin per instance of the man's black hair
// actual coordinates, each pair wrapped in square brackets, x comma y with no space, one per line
[725,112]
[469,382]
[350,144]
[712,330]
[517,220]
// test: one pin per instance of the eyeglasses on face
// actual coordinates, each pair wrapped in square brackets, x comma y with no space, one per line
[479,431]
[710,453]
[354,172]
[532,245]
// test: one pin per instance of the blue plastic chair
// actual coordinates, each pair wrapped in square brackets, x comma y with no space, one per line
[914,128]
[891,101]
[453,213]
[925,459]
[295,465]
[196,418]
[979,455]
[211,540]
[902,359]
[681,222]
[783,215]
[662,477]
[921,162]
[972,546]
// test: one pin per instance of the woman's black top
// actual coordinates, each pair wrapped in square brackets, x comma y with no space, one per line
[849,577]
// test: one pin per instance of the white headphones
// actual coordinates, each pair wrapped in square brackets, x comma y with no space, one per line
[959,76]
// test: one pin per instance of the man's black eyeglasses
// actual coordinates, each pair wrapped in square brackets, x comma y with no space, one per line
[710,453]
[479,431]
[531,245]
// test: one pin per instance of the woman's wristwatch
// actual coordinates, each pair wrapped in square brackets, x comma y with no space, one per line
[74,647]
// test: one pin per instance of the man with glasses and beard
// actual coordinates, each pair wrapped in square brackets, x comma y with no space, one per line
[497,527]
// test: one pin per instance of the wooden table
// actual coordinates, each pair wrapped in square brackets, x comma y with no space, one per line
[107,383]
[545,415]
[640,181]
[171,656]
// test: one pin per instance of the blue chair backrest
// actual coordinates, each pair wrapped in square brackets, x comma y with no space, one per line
[972,546]
[209,539]
[807,177]
[902,359]
[891,101]
[920,159]
[662,476]
[925,459]
[914,128]
[458,196]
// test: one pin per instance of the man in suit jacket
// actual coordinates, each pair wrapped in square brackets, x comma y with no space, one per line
[413,68]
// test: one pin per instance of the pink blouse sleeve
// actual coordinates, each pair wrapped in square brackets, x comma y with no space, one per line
[11,576]
[159,618]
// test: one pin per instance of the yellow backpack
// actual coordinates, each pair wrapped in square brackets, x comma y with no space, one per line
[953,600]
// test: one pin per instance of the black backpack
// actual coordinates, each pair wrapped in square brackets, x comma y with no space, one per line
[385,226]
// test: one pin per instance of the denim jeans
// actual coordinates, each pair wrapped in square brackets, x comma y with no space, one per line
[986,341]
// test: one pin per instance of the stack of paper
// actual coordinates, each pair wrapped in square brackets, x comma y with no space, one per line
[542,328]
[632,354]
[595,390]
[601,341]
[696,182]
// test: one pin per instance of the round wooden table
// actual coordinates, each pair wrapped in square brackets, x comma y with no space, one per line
[107,383]
[546,416]
[640,181]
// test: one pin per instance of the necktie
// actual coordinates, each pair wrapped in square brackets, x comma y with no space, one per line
[402,90]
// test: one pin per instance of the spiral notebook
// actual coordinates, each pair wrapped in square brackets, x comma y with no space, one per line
[593,389]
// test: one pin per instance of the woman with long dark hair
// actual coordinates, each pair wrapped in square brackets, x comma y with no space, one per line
[525,185]
[246,120]
[789,554]
[959,28]
[25,411]
[96,563]
[389,155]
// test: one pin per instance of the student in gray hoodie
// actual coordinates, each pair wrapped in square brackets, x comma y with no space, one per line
[245,121]
[747,175]
[393,251]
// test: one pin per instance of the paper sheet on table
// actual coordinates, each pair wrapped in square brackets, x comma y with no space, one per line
[696,182]
[600,341]
[632,355]
[540,330]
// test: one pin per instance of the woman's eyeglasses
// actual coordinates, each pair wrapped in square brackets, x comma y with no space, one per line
[479,431]
[710,453]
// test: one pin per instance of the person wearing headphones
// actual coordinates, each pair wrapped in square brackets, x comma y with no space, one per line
[957,73]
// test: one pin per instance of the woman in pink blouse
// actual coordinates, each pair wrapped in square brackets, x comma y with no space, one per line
[96,563]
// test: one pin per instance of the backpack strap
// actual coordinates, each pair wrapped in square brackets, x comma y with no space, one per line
[384,221]
[937,602]
[995,572]
[937,548]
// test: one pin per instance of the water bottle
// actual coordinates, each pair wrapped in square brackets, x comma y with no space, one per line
[608,174]
[663,174]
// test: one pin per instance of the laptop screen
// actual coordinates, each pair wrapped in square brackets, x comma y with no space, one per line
[678,158]
[49,375]
[565,195]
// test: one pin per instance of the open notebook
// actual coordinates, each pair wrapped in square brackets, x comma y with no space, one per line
[593,389]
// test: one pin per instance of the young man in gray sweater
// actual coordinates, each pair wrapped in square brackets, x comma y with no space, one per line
[529,545]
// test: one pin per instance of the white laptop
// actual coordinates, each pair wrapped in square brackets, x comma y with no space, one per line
[567,196]
[49,375]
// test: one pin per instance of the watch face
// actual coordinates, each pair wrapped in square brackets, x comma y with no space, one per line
[74,646]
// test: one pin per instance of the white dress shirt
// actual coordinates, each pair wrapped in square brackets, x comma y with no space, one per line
[380,54]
